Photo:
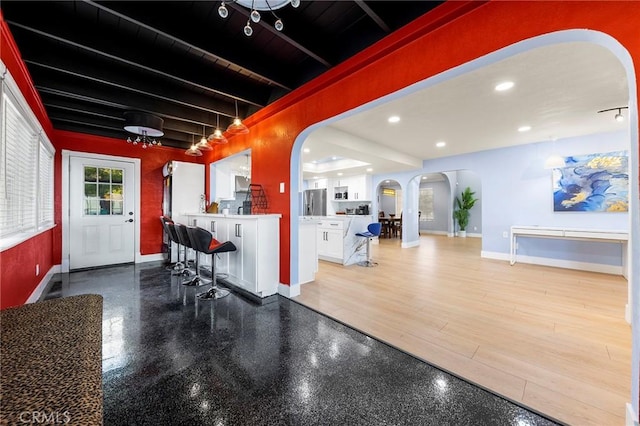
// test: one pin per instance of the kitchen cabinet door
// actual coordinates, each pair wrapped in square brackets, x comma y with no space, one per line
[360,188]
[243,262]
[330,240]
[335,243]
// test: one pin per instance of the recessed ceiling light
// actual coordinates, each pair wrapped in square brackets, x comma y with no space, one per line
[316,177]
[505,85]
[340,174]
[334,158]
[306,150]
[441,144]
[369,169]
[424,178]
[393,119]
[522,129]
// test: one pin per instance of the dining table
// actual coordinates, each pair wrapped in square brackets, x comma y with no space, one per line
[390,226]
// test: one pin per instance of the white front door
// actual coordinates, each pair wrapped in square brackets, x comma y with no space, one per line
[101,216]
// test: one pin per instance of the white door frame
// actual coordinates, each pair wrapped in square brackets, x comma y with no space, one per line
[66,154]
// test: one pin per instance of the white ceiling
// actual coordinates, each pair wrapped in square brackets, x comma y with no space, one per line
[558,91]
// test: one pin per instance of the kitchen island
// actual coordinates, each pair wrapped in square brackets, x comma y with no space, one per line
[255,265]
[337,240]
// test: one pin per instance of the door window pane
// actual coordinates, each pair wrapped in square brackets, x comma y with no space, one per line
[106,197]
[90,174]
[104,175]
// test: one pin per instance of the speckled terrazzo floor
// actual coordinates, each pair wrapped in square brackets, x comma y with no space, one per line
[169,359]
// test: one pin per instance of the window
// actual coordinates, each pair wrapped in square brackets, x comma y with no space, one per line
[425,204]
[26,169]
[102,191]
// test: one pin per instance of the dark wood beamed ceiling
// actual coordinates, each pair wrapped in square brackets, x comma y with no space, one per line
[93,60]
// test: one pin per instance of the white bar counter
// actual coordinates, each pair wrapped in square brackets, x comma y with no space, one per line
[255,265]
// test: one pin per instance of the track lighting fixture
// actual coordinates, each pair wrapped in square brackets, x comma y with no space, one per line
[237,127]
[217,137]
[193,151]
[203,145]
[618,117]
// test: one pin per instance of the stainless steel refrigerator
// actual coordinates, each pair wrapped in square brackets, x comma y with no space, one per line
[315,202]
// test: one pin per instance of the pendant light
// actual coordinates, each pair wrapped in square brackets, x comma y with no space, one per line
[193,151]
[217,137]
[203,145]
[237,127]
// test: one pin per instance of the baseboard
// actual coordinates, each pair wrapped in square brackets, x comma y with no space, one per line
[426,231]
[631,416]
[289,291]
[556,263]
[494,255]
[41,287]
[150,257]
[627,313]
[410,244]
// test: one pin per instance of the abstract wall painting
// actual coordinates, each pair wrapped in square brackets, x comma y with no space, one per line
[592,183]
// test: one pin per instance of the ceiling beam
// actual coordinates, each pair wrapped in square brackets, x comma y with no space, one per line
[123,107]
[246,13]
[134,64]
[374,16]
[131,89]
[191,46]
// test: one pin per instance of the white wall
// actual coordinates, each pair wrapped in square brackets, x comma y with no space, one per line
[520,192]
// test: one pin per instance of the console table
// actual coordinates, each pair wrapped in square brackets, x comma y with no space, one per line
[567,234]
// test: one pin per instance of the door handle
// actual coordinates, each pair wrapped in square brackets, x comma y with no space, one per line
[130,220]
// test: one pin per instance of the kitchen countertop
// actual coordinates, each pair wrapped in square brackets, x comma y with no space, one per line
[236,216]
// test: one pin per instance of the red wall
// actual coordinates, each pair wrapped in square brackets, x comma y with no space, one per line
[18,267]
[452,34]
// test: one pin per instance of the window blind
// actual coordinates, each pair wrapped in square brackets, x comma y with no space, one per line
[45,185]
[26,168]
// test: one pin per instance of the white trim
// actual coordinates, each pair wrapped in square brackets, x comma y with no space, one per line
[15,240]
[631,416]
[289,291]
[37,292]
[556,263]
[430,232]
[66,155]
[141,258]
[409,244]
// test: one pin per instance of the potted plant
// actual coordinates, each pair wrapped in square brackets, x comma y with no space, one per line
[464,203]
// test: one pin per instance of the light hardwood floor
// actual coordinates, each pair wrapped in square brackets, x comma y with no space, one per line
[554,340]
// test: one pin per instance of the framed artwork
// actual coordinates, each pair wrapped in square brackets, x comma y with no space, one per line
[592,183]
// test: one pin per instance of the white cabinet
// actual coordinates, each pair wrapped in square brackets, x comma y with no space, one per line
[307,250]
[224,183]
[359,188]
[330,236]
[242,262]
[316,183]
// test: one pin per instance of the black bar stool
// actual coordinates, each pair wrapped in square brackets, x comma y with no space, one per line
[183,237]
[205,243]
[169,229]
